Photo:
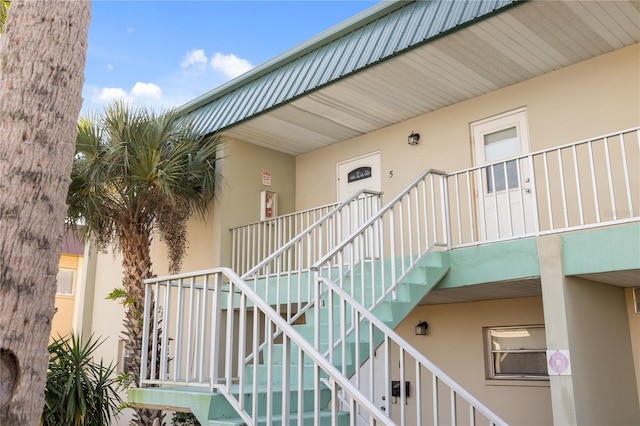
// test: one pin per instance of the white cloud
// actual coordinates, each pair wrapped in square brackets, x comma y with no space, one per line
[108,94]
[130,30]
[194,59]
[230,65]
[146,91]
[141,93]
[109,67]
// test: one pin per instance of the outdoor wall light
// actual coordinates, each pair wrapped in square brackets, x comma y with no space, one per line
[421,328]
[414,138]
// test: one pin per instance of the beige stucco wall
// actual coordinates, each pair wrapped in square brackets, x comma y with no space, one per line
[455,344]
[634,330]
[239,201]
[602,367]
[587,99]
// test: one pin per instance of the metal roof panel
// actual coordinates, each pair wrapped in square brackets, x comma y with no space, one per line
[372,36]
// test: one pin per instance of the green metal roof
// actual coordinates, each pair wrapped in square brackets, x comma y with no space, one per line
[375,35]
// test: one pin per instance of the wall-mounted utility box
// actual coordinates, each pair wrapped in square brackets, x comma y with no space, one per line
[395,388]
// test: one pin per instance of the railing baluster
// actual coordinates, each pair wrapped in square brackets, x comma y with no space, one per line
[154,345]
[458,212]
[563,190]
[164,346]
[546,180]
[436,407]
[300,386]
[593,181]
[623,153]
[403,393]
[392,239]
[216,308]
[446,221]
[418,380]
[148,296]
[189,366]
[521,182]
[614,213]
[286,379]
[241,341]
[269,396]
[200,345]
[433,208]
[454,408]
[179,331]
[254,361]
[508,203]
[229,346]
[578,186]
[494,198]
[470,204]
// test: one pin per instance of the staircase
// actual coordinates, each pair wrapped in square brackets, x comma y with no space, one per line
[288,342]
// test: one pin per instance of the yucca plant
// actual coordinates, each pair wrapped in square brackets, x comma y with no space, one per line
[79,391]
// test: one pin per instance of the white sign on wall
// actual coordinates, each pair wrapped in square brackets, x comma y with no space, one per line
[266,178]
[558,362]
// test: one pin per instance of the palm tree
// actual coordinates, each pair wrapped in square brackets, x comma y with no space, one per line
[136,173]
[42,58]
[4,9]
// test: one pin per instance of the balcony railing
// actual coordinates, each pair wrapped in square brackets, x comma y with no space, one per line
[323,227]
[589,183]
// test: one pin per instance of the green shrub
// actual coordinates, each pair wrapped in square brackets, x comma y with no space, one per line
[79,390]
[184,419]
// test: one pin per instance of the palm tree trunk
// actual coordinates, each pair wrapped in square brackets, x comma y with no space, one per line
[42,58]
[136,263]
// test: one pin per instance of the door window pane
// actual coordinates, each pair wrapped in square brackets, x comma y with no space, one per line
[497,172]
[501,144]
[497,145]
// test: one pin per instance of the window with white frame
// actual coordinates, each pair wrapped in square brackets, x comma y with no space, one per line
[66,278]
[516,352]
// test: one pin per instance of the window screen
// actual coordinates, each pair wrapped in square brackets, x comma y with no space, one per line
[516,352]
[66,278]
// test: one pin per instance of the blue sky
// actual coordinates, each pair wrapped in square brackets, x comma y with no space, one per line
[162,54]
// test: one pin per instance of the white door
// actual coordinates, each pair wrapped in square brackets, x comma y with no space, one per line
[354,175]
[505,204]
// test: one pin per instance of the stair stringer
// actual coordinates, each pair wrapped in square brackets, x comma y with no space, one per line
[392,310]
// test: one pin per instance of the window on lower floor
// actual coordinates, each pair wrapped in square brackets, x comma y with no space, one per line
[65,280]
[516,352]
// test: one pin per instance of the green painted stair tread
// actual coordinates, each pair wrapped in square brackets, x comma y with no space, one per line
[277,374]
[343,419]
[207,405]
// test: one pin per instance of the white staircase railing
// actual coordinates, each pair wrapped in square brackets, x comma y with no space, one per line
[365,270]
[207,327]
[253,242]
[399,235]
[283,277]
[322,226]
[428,383]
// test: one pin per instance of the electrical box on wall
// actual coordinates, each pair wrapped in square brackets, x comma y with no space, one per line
[268,205]
[395,388]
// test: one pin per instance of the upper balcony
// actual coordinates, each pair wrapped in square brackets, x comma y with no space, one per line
[584,184]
